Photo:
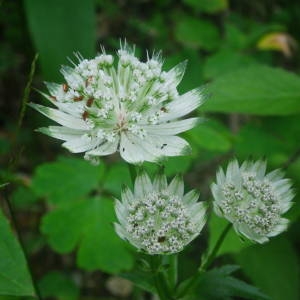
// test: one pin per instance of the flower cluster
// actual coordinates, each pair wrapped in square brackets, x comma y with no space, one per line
[158,218]
[110,104]
[252,200]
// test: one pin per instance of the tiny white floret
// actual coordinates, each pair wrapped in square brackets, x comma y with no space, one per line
[158,218]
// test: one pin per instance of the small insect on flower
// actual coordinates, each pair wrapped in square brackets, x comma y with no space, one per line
[158,218]
[128,106]
[252,200]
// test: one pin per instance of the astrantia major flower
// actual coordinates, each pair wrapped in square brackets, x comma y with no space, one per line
[121,104]
[253,200]
[158,218]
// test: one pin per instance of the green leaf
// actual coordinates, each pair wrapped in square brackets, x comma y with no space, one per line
[58,28]
[273,267]
[257,90]
[177,165]
[225,61]
[66,180]
[210,135]
[266,143]
[232,242]
[88,225]
[116,176]
[143,280]
[15,279]
[217,284]
[23,197]
[197,33]
[208,6]
[59,286]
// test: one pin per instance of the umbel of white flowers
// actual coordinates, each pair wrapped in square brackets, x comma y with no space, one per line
[158,218]
[121,104]
[253,200]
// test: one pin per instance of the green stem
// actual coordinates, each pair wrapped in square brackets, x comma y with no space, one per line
[17,150]
[173,270]
[206,263]
[210,258]
[160,281]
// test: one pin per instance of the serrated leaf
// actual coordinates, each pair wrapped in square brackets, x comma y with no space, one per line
[70,25]
[273,267]
[197,33]
[15,279]
[88,225]
[257,90]
[66,180]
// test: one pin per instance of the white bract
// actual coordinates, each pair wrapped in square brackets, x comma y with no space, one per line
[253,200]
[124,105]
[158,218]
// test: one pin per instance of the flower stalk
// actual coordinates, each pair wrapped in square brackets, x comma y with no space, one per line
[206,263]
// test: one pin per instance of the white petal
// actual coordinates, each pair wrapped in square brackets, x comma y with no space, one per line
[48,97]
[170,145]
[285,200]
[171,128]
[217,192]
[176,186]
[81,144]
[75,109]
[54,88]
[275,175]
[61,132]
[282,186]
[121,212]
[191,197]
[218,211]
[183,105]
[221,177]
[250,234]
[105,148]
[160,182]
[132,151]
[259,167]
[60,117]
[120,231]
[233,173]
[175,74]
[127,195]
[142,184]
[279,228]
[198,214]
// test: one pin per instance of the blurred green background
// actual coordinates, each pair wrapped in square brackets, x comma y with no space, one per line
[247,54]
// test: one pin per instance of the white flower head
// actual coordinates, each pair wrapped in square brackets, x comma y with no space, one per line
[158,218]
[252,200]
[135,106]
